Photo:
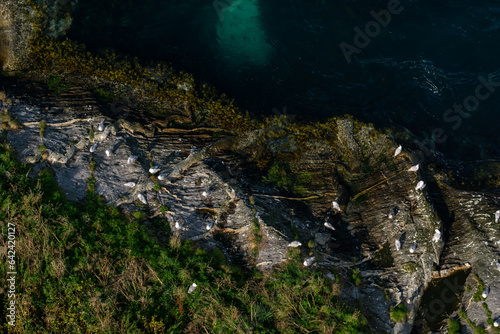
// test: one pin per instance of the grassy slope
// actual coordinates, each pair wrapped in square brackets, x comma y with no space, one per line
[88,268]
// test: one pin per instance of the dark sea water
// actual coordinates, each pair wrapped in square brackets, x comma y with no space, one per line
[268,54]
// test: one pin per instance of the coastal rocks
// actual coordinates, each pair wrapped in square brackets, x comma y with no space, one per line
[200,183]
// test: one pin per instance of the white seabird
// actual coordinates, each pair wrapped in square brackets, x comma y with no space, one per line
[309,261]
[420,185]
[497,216]
[437,235]
[413,168]
[132,159]
[413,247]
[154,169]
[498,265]
[497,322]
[398,150]
[101,126]
[162,177]
[142,198]
[398,244]
[486,292]
[210,225]
[393,212]
[204,194]
[336,206]
[130,184]
[93,147]
[192,287]
[295,244]
[328,225]
[109,152]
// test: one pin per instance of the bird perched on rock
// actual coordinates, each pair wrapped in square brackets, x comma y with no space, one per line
[413,247]
[437,235]
[497,322]
[130,184]
[192,288]
[328,225]
[309,261]
[93,147]
[393,212]
[295,244]
[486,292]
[211,225]
[142,198]
[204,194]
[132,159]
[420,185]
[398,150]
[154,169]
[497,216]
[398,245]
[336,206]
[109,152]
[162,177]
[413,168]
[498,265]
[101,126]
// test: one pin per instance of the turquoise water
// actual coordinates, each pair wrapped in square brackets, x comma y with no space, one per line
[409,72]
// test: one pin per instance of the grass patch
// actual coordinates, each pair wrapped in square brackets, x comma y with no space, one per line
[454,326]
[399,313]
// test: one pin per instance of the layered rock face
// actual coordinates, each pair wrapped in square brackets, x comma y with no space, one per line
[206,193]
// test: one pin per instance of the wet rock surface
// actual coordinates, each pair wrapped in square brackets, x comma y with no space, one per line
[208,194]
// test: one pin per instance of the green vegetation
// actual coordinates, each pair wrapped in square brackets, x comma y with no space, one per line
[281,175]
[43,126]
[54,84]
[399,313]
[164,208]
[479,289]
[86,268]
[104,95]
[356,278]
[454,327]
[157,187]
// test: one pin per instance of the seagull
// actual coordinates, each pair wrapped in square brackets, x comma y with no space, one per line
[398,150]
[336,206]
[295,244]
[109,152]
[497,216]
[414,168]
[413,247]
[393,212]
[142,198]
[192,288]
[210,225]
[162,177]
[497,322]
[398,244]
[486,292]
[420,185]
[130,184]
[498,265]
[309,261]
[154,169]
[328,225]
[132,159]
[93,147]
[204,194]
[101,126]
[437,235]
